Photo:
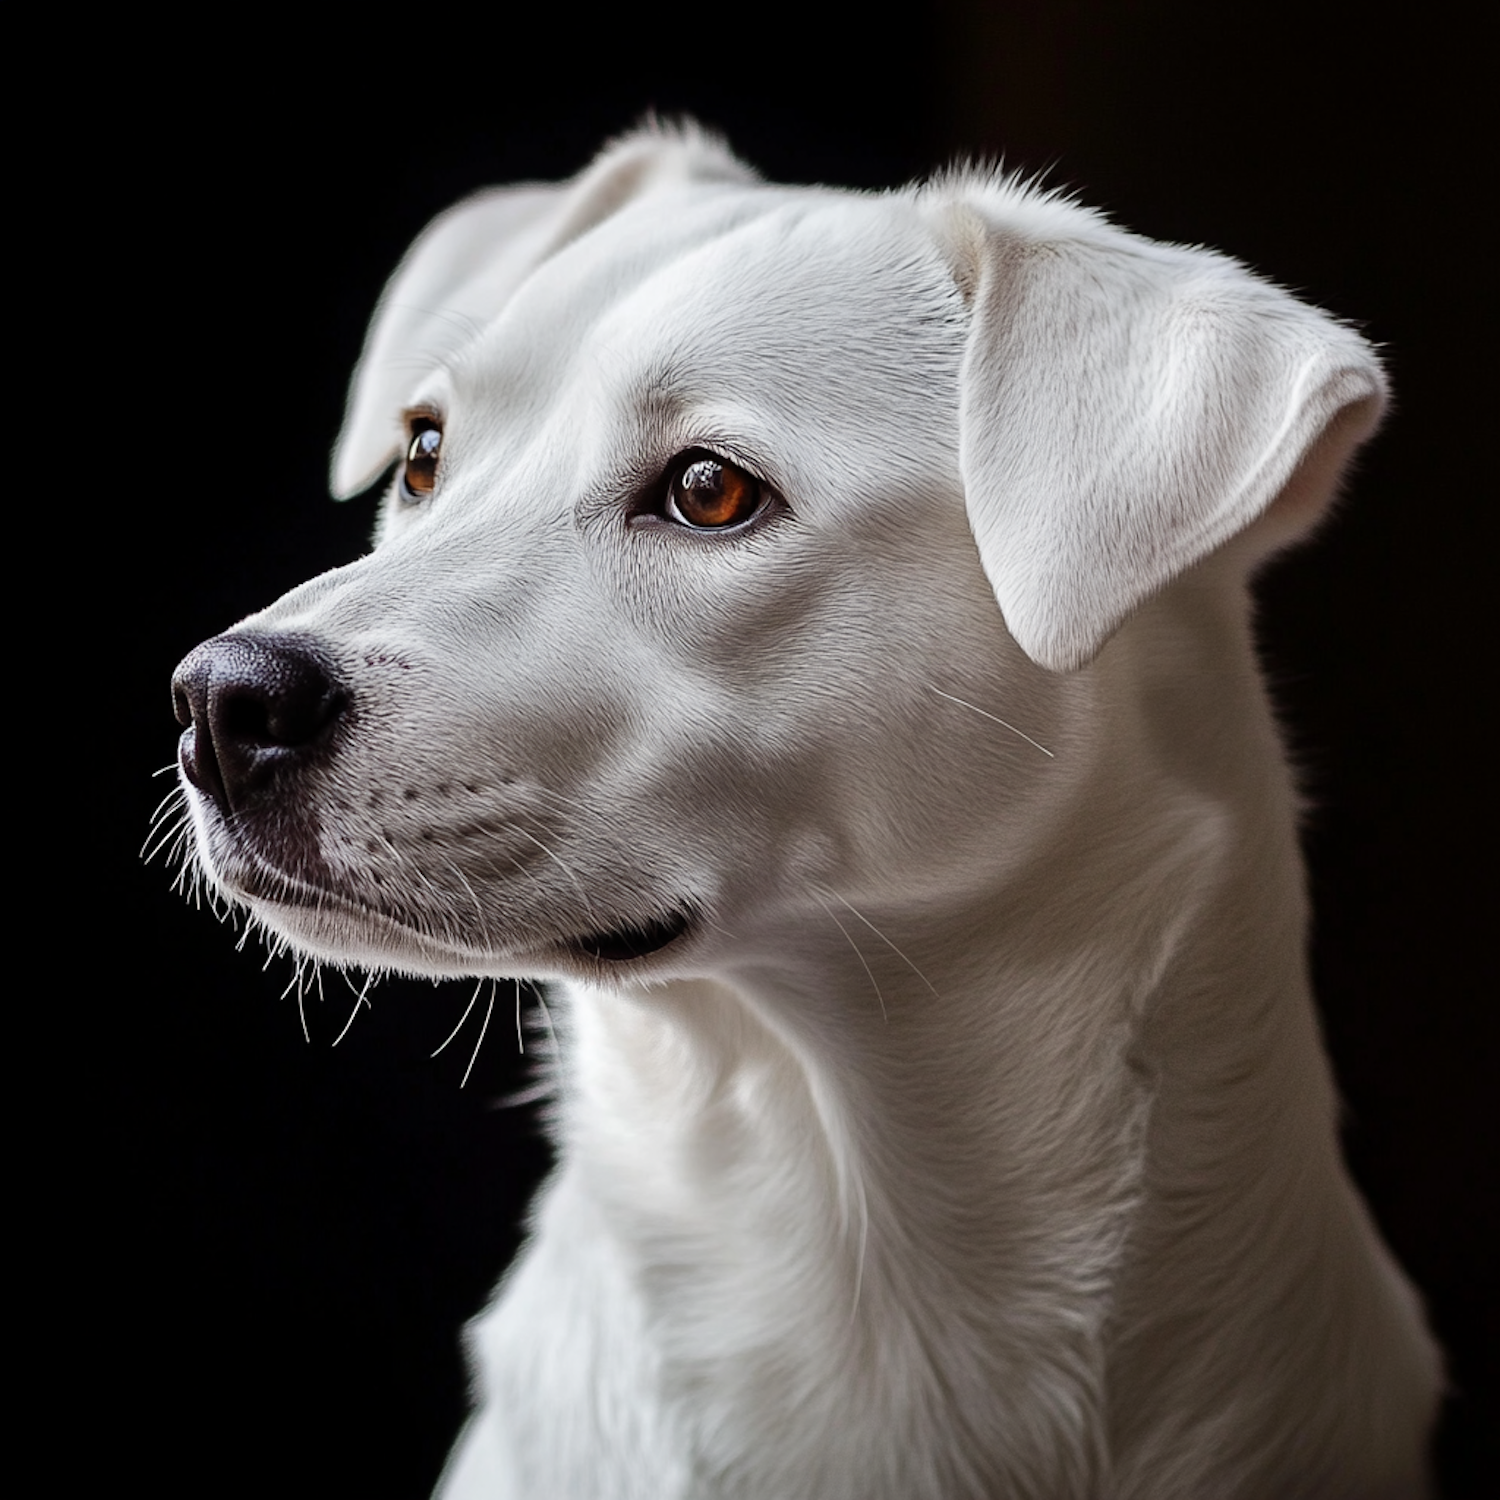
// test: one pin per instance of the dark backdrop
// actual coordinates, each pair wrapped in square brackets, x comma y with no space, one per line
[272,1243]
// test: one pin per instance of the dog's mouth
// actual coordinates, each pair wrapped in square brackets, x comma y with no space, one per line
[631,941]
[249,872]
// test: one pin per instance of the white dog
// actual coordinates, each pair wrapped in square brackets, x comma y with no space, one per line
[811,629]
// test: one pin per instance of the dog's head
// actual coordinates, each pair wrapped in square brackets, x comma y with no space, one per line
[683,614]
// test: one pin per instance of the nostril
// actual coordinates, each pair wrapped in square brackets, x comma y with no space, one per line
[244,714]
[285,712]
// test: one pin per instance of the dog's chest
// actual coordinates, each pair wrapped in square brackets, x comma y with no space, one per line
[716,1299]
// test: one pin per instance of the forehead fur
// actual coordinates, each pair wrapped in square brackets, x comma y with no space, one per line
[651,198]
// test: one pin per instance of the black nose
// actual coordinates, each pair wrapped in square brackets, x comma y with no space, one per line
[252,705]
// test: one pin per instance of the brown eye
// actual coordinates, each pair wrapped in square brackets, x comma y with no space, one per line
[710,494]
[419,473]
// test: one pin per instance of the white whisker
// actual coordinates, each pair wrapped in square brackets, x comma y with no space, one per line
[588,905]
[889,944]
[359,1000]
[470,1006]
[479,912]
[173,796]
[860,956]
[484,1027]
[171,836]
[985,714]
[301,1003]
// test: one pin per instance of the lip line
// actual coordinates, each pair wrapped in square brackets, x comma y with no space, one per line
[294,893]
[258,881]
[660,933]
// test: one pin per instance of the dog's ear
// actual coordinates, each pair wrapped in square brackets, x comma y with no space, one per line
[1129,407]
[467,263]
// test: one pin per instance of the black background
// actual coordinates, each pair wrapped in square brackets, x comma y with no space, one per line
[267,1247]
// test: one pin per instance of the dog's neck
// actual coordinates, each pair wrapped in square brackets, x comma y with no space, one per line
[1031,1143]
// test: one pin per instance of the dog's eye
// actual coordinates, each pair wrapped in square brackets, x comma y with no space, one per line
[419,472]
[710,494]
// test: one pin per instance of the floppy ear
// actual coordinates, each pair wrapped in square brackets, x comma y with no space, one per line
[1127,408]
[465,266]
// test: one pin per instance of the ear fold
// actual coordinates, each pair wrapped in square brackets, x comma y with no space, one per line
[469,261]
[1129,407]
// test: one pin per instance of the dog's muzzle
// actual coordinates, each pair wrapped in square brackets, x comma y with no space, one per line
[254,708]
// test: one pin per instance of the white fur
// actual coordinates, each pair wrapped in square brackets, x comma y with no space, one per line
[977,1141]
